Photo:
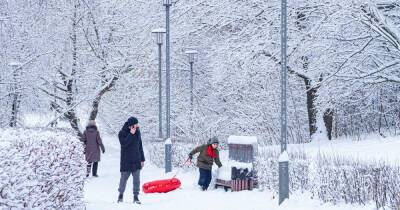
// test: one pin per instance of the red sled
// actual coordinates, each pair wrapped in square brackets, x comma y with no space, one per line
[161,186]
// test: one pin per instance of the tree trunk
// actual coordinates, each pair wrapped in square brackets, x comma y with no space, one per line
[16,98]
[95,108]
[96,102]
[311,96]
[328,120]
[71,115]
[14,110]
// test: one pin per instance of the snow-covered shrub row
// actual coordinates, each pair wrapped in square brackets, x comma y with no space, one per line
[334,179]
[354,181]
[180,152]
[41,169]
[267,170]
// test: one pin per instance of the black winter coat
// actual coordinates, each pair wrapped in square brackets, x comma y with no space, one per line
[131,149]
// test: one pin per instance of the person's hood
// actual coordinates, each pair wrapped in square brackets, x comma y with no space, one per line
[131,121]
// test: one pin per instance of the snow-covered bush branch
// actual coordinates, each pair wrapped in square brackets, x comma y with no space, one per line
[334,179]
[41,169]
[180,152]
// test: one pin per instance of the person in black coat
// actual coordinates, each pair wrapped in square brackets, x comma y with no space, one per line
[93,144]
[132,157]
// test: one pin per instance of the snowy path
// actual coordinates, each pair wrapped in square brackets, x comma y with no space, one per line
[101,193]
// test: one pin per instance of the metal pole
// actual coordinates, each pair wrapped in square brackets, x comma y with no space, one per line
[283,165]
[159,92]
[168,156]
[167,52]
[283,78]
[191,86]
[168,164]
[191,99]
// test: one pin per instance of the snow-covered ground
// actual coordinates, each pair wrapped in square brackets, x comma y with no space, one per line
[372,148]
[101,192]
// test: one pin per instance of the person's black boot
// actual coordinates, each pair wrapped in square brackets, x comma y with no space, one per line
[120,198]
[136,199]
[94,170]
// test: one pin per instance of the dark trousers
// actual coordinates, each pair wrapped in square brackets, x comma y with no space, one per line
[89,166]
[205,178]
[124,178]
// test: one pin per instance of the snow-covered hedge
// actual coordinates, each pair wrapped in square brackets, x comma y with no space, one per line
[41,169]
[334,179]
[156,153]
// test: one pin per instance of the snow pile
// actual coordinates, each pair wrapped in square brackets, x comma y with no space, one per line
[242,140]
[168,141]
[41,169]
[284,157]
[224,173]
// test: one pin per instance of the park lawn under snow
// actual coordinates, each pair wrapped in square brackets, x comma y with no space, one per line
[101,192]
[372,148]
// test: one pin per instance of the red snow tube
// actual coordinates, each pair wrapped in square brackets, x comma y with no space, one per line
[161,186]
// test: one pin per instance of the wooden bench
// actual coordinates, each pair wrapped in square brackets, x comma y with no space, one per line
[242,150]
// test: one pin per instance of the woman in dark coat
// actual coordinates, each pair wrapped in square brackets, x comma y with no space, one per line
[132,157]
[93,143]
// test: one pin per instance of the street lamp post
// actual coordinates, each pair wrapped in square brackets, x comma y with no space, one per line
[191,55]
[283,159]
[159,35]
[168,4]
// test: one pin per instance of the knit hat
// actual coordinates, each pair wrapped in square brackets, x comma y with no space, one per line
[213,140]
[132,121]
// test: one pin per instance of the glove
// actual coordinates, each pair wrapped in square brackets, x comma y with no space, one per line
[102,148]
[190,156]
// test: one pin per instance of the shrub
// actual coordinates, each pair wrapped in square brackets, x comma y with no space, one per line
[180,152]
[333,178]
[41,169]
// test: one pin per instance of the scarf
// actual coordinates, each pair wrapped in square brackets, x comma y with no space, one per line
[211,152]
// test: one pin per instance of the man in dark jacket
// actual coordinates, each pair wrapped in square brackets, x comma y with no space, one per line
[132,157]
[208,155]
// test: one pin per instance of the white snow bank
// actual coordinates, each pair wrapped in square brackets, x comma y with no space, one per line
[371,148]
[242,140]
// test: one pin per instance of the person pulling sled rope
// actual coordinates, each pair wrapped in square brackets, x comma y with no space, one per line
[208,155]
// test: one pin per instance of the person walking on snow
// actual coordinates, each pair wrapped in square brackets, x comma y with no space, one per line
[132,157]
[93,143]
[208,155]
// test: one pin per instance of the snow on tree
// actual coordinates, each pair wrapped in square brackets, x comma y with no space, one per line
[97,60]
